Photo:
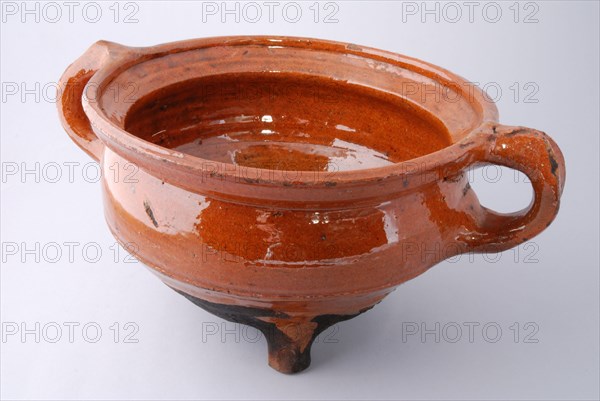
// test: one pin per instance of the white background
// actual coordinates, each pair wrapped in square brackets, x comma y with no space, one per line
[552,284]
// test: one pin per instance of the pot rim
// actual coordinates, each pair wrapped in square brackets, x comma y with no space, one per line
[146,153]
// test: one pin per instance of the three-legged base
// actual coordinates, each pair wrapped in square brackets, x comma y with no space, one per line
[289,338]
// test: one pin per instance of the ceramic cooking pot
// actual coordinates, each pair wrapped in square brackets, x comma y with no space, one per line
[291,183]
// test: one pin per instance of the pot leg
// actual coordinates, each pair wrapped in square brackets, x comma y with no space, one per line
[289,344]
[289,338]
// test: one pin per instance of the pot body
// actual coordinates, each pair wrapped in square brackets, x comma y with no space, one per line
[292,256]
[290,273]
[265,254]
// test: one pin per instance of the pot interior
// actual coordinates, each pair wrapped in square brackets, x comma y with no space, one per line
[285,121]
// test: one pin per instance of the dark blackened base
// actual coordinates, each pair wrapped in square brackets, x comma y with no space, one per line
[289,340]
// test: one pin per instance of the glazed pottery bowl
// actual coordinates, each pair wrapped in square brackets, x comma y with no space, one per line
[291,183]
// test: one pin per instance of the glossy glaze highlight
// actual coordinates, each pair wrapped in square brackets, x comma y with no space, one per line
[286,122]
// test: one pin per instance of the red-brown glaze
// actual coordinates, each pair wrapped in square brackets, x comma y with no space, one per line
[340,178]
[285,122]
